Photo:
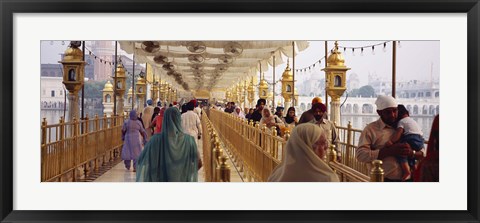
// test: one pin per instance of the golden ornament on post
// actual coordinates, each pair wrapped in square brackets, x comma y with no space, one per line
[141,87]
[73,67]
[120,87]
[336,75]
[287,85]
[107,99]
[251,92]
[154,91]
[162,91]
[263,89]
[128,107]
[73,76]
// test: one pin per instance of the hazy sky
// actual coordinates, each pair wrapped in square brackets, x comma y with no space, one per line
[414,59]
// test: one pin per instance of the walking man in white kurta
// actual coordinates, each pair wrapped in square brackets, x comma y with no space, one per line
[191,122]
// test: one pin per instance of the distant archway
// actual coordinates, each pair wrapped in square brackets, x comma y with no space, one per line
[367,109]
[355,109]
[431,110]
[349,109]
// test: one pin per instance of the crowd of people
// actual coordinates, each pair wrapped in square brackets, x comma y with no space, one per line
[162,143]
[167,149]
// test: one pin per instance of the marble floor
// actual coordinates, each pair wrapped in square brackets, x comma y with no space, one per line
[119,174]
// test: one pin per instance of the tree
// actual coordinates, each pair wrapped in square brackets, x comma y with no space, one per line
[93,89]
[366,91]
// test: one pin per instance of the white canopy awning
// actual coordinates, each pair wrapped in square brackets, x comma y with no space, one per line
[207,65]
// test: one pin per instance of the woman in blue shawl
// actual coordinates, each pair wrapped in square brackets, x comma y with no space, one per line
[132,131]
[170,156]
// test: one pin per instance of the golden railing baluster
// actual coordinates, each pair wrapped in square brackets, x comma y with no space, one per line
[348,152]
[45,164]
[377,174]
[223,170]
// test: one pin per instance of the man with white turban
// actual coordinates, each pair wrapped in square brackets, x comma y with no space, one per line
[372,143]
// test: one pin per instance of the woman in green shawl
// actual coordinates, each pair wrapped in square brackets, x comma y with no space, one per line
[170,156]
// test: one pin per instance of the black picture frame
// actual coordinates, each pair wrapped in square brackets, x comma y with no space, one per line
[8,8]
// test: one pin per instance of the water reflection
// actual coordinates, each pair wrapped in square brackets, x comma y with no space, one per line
[53,116]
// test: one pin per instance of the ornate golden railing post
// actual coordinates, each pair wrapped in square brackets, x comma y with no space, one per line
[348,147]
[97,128]
[376,174]
[287,134]
[44,149]
[273,149]
[75,148]
[105,140]
[86,147]
[223,170]
[332,154]
[257,133]
[111,148]
[62,152]
[216,153]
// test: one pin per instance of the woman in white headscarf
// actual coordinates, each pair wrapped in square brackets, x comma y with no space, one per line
[303,160]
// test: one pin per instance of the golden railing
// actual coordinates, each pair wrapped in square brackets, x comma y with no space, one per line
[348,174]
[257,150]
[347,146]
[215,162]
[70,147]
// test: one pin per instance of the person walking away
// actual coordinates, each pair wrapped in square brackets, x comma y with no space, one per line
[191,123]
[147,116]
[170,156]
[132,131]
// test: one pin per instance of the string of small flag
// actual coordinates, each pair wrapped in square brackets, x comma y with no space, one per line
[361,48]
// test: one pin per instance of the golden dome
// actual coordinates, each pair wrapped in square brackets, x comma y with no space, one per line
[73,54]
[141,81]
[130,91]
[287,74]
[120,71]
[263,84]
[336,57]
[108,87]
[250,88]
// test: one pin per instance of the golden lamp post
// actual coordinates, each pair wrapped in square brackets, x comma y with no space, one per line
[244,96]
[239,94]
[228,95]
[335,74]
[141,87]
[120,86]
[251,93]
[162,91]
[128,107]
[73,76]
[154,92]
[287,85]
[107,99]
[263,88]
